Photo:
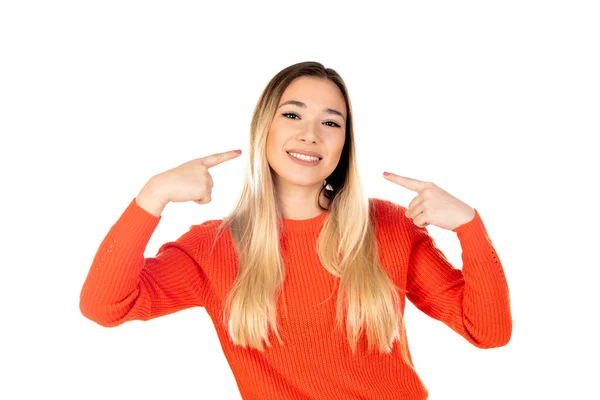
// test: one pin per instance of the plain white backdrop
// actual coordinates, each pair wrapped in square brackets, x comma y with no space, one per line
[496,102]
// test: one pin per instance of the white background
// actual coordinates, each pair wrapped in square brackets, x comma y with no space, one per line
[496,102]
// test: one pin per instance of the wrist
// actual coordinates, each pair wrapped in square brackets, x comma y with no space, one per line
[151,199]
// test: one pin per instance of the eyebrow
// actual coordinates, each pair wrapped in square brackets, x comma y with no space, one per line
[301,104]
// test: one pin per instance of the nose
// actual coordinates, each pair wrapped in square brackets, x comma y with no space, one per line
[309,134]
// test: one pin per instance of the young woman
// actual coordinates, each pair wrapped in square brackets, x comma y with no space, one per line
[304,258]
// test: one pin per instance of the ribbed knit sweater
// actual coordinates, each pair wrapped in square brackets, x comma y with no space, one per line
[316,361]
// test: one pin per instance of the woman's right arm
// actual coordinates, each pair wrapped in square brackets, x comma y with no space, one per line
[122,285]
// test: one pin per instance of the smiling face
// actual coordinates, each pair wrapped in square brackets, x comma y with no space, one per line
[313,120]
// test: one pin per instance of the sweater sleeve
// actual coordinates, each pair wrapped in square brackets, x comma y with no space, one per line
[474,301]
[122,285]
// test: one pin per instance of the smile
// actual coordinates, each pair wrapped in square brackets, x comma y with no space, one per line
[304,160]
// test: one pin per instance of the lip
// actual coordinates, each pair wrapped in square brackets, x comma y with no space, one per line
[305,152]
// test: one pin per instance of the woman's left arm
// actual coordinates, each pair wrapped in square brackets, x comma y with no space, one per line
[474,301]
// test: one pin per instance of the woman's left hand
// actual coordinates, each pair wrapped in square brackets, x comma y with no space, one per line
[433,205]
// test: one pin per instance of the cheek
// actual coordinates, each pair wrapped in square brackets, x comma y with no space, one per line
[336,145]
[275,145]
[273,138]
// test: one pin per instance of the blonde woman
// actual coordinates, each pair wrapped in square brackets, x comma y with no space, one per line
[306,278]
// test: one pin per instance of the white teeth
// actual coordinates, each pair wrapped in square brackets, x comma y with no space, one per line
[303,157]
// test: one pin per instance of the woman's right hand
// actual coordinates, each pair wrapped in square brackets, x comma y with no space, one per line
[191,180]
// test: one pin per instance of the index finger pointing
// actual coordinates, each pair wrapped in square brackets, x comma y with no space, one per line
[409,183]
[218,158]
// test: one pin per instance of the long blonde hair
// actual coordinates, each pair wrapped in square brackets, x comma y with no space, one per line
[365,290]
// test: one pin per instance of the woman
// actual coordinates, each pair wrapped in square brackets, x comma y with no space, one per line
[304,258]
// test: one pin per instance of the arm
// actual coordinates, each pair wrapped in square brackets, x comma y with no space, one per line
[474,302]
[122,285]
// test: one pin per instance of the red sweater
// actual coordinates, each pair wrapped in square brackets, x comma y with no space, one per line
[316,361]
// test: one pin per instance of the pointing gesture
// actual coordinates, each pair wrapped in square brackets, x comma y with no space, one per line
[433,205]
[218,158]
[191,181]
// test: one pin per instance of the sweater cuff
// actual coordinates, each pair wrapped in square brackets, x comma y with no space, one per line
[143,222]
[473,225]
[473,236]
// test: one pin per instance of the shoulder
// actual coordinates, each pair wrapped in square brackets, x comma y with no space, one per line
[390,217]
[198,237]
[386,209]
[207,227]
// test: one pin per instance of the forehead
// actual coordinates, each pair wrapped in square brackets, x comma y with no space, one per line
[314,91]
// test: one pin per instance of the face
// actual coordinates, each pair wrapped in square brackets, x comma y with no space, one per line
[316,124]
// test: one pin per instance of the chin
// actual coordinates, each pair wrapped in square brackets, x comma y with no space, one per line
[300,181]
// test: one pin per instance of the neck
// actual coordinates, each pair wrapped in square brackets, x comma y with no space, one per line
[300,202]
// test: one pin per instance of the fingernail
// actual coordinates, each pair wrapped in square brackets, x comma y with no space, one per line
[385,173]
[238,151]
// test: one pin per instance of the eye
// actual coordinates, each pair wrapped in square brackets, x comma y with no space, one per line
[335,124]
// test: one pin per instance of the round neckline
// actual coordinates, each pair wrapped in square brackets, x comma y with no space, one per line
[303,225]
